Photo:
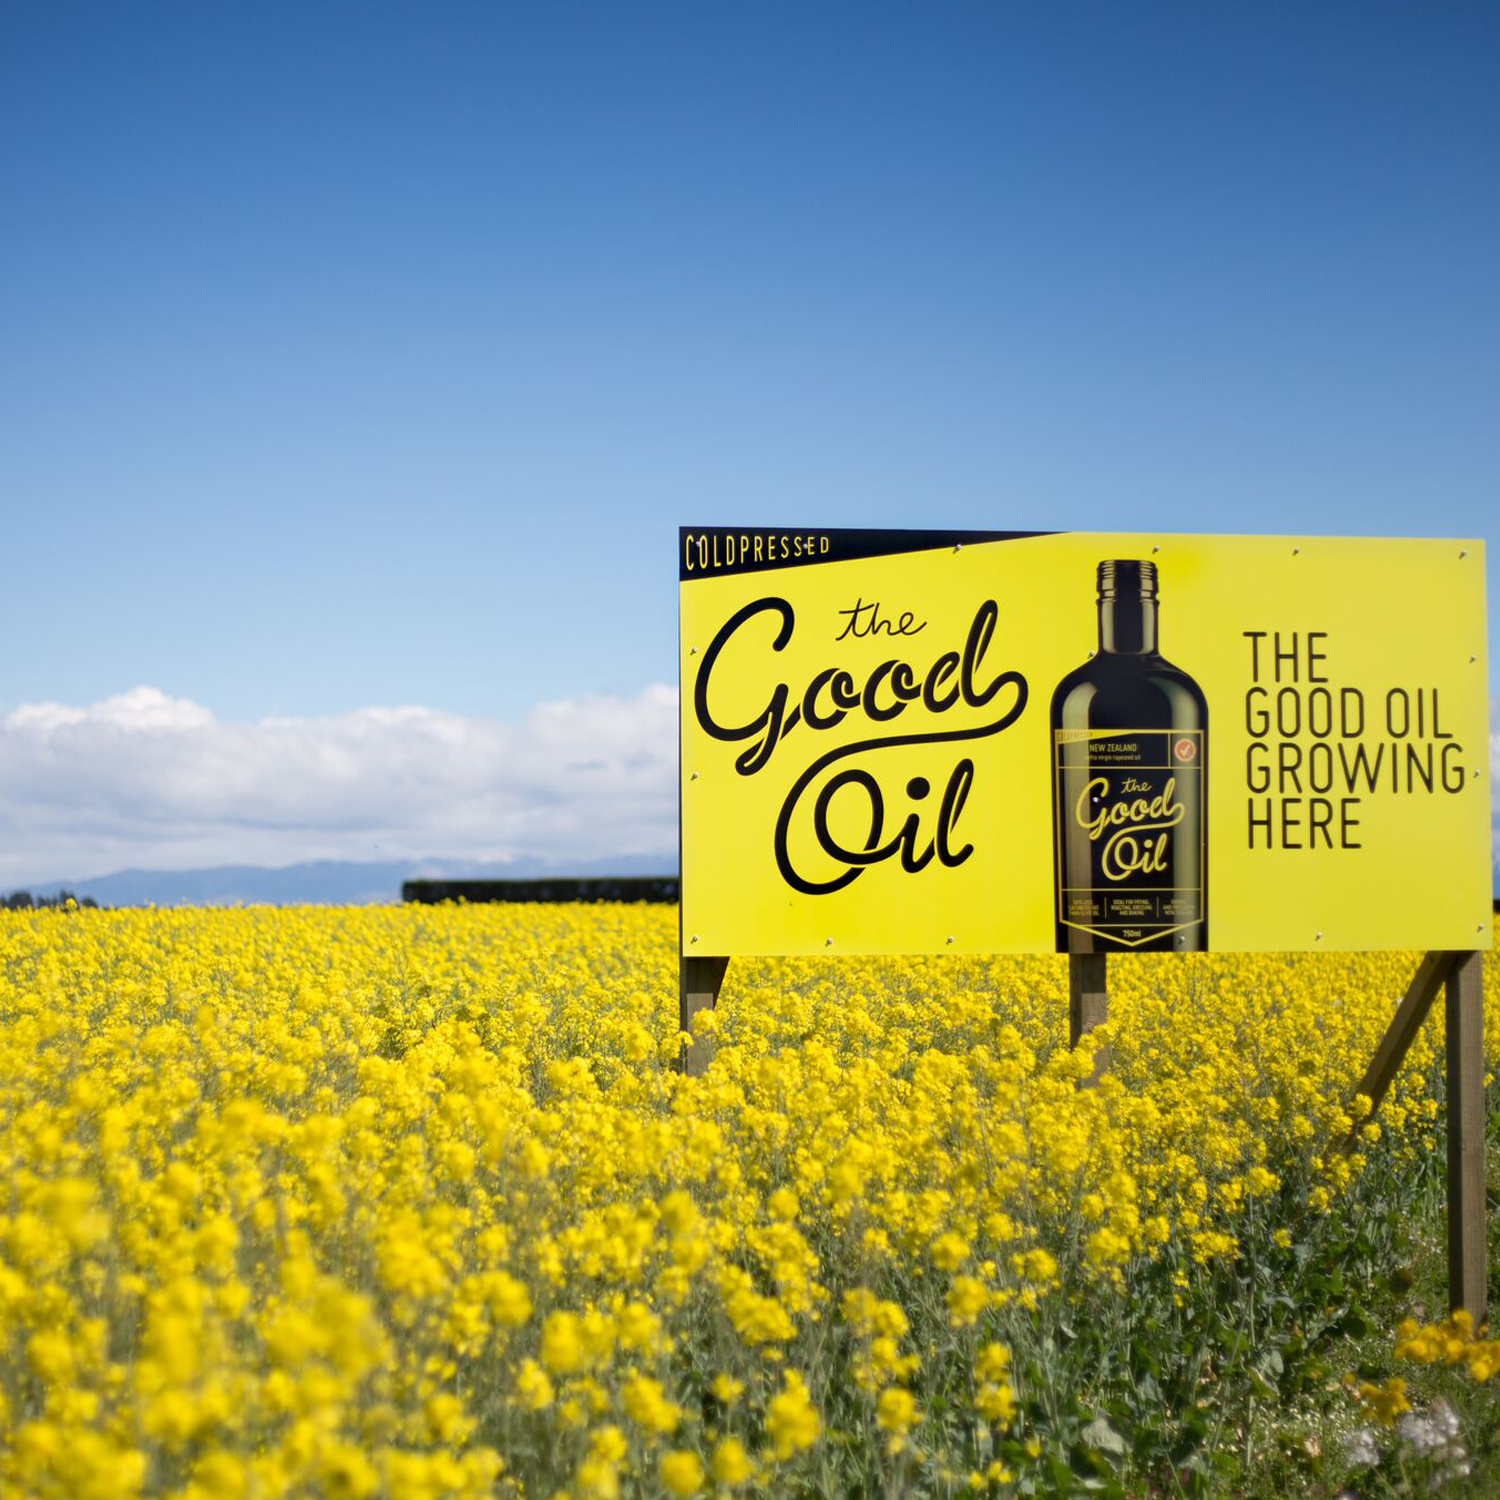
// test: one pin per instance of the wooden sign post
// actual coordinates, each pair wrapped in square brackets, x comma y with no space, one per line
[1468,1273]
[1088,1003]
[699,981]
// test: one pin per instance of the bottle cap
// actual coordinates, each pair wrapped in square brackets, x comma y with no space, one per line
[1127,578]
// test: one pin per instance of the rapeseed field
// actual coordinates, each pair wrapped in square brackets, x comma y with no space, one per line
[409,1202]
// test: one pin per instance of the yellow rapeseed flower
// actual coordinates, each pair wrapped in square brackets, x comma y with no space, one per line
[681,1472]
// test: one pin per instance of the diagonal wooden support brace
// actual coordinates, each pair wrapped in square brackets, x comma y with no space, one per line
[1400,1034]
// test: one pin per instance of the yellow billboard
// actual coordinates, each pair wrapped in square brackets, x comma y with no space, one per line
[976,742]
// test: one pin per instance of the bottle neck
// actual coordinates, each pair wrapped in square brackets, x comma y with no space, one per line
[1127,627]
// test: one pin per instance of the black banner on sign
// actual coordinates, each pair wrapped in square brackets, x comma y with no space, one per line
[713,551]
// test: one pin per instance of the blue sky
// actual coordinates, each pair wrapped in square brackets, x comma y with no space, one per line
[361,355]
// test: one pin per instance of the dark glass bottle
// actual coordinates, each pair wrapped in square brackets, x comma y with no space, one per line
[1129,786]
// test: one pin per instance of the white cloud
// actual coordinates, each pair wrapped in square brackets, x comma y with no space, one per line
[143,779]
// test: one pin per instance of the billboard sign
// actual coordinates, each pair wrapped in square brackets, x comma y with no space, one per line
[918,742]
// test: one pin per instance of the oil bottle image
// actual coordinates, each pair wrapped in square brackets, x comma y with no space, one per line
[1129,785]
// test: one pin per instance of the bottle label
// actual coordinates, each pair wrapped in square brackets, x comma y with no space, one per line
[1130,832]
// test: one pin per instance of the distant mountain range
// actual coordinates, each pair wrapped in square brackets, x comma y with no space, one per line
[323,881]
[337,882]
